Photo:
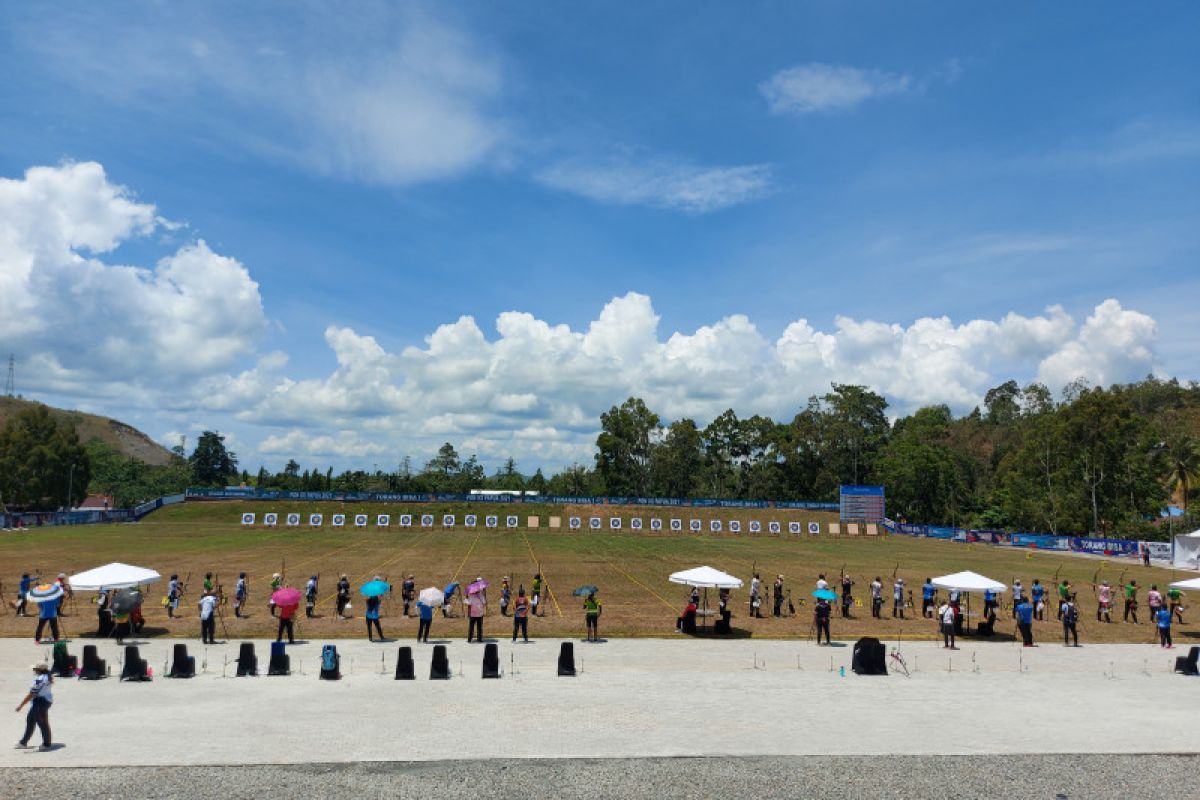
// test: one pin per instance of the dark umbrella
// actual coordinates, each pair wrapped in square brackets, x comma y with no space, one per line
[125,601]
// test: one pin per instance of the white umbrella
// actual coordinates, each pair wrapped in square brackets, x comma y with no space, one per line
[1190,583]
[113,576]
[432,597]
[705,578]
[968,582]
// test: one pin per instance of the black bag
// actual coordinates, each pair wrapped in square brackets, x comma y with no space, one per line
[869,657]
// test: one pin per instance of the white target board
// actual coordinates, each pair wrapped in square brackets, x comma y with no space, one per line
[574,523]
[293,520]
[511,521]
[406,520]
[793,527]
[676,524]
[614,523]
[695,525]
[773,527]
[270,519]
[339,520]
[636,523]
[470,520]
[735,526]
[814,528]
[383,520]
[715,525]
[447,520]
[248,518]
[361,520]
[316,520]
[594,523]
[427,520]
[491,521]
[755,526]
[656,524]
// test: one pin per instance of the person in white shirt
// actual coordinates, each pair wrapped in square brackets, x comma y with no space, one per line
[876,597]
[821,582]
[1018,595]
[898,598]
[208,618]
[755,598]
[40,697]
[946,616]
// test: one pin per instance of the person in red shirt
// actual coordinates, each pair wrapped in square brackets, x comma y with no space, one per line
[285,622]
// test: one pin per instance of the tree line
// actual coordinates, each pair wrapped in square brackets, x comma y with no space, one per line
[1097,460]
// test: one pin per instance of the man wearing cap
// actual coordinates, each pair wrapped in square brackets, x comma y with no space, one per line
[41,697]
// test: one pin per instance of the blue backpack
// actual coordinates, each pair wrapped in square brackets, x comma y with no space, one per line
[329,658]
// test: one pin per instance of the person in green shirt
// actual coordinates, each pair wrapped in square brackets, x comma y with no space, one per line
[276,582]
[1175,599]
[208,582]
[1131,601]
[591,610]
[535,597]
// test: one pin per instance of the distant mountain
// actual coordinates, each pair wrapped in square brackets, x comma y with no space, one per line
[127,439]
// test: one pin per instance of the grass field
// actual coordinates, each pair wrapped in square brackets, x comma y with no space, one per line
[631,569]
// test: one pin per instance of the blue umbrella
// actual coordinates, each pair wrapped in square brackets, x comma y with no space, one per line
[375,588]
[450,589]
[825,594]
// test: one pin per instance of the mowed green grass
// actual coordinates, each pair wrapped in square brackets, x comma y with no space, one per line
[630,568]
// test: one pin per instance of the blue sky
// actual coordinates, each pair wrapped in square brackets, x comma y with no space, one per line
[709,205]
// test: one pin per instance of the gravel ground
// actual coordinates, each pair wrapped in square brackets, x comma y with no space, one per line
[927,777]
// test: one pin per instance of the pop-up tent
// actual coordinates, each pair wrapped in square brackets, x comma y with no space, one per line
[1191,583]
[113,576]
[968,582]
[1186,553]
[706,578]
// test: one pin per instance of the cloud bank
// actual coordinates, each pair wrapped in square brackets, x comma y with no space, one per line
[817,87]
[182,337]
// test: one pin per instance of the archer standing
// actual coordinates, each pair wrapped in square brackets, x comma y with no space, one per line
[821,615]
[521,615]
[898,598]
[239,594]
[343,596]
[1175,598]
[174,592]
[1163,619]
[847,597]
[41,697]
[591,614]
[425,615]
[536,594]
[476,604]
[1131,590]
[776,596]
[23,590]
[755,599]
[1103,601]
[877,598]
[372,615]
[1024,612]
[208,617]
[1039,599]
[310,598]
[1018,595]
[408,591]
[276,582]
[927,594]
[946,618]
[1069,612]
[1154,599]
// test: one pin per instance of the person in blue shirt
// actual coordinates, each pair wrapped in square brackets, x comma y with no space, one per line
[425,612]
[26,582]
[1163,618]
[927,593]
[1039,594]
[1025,622]
[47,612]
[989,602]
[373,615]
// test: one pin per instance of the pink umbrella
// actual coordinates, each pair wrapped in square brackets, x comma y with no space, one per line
[477,587]
[287,596]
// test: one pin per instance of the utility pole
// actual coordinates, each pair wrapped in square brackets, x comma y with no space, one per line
[71,487]
[10,382]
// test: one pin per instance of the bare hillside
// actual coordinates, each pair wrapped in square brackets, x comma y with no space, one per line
[126,438]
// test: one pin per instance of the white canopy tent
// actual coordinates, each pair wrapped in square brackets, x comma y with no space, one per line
[968,582]
[706,578]
[1186,553]
[1190,583]
[113,576]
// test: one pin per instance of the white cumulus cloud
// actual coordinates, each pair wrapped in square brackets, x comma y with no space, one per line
[83,324]
[826,87]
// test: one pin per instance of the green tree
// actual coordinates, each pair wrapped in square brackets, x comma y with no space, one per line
[212,464]
[42,463]
[677,466]
[857,428]
[626,436]
[1178,462]
[919,469]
